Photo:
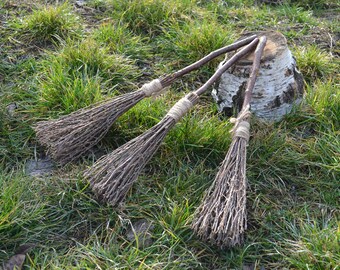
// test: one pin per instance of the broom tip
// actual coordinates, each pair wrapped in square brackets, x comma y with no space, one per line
[71,136]
[221,219]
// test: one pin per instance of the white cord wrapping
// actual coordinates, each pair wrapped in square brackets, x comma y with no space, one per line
[152,88]
[180,109]
[241,127]
[242,130]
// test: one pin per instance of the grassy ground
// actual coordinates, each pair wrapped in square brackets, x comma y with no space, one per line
[57,57]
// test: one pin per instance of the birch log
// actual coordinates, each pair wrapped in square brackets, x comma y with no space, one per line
[278,87]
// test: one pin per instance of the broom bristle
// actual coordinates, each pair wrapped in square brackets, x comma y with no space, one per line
[70,136]
[221,218]
[67,138]
[112,176]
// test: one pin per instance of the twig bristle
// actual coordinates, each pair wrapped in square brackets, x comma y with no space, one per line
[67,138]
[112,176]
[221,218]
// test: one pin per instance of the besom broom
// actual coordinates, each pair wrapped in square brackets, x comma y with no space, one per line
[221,218]
[112,175]
[70,136]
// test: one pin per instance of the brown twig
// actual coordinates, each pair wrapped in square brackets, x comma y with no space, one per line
[168,79]
[254,72]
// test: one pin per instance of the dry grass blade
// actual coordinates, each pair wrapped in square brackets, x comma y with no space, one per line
[70,136]
[221,218]
[112,176]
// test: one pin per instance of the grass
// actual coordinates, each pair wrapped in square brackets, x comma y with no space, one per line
[152,16]
[104,48]
[80,74]
[314,62]
[194,40]
[119,39]
[49,24]
[317,4]
[315,245]
[297,14]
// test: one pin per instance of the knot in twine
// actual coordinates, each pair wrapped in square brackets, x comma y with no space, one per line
[180,108]
[152,88]
[241,127]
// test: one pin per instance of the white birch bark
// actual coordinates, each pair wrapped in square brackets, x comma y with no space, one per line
[278,87]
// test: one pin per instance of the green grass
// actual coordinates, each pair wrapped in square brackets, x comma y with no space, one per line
[194,40]
[152,16]
[119,39]
[314,63]
[49,24]
[297,14]
[316,4]
[105,48]
[314,245]
[81,74]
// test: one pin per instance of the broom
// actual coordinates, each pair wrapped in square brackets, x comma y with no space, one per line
[67,138]
[112,175]
[221,218]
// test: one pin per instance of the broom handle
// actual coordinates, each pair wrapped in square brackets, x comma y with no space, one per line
[237,56]
[167,80]
[254,72]
[183,105]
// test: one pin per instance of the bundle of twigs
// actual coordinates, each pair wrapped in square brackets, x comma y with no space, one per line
[67,138]
[112,176]
[221,218]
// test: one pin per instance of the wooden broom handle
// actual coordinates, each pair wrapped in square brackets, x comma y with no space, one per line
[167,80]
[254,72]
[237,56]
[184,104]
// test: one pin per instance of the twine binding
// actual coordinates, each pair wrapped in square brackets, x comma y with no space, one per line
[152,88]
[242,130]
[180,108]
[241,125]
